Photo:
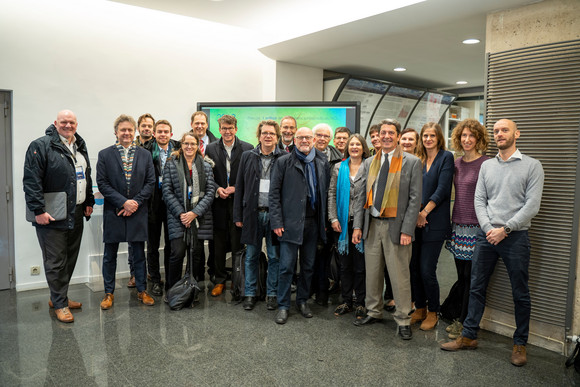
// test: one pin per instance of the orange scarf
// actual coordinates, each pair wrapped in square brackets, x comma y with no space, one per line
[391,196]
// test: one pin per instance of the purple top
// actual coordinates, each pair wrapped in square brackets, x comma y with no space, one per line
[466,174]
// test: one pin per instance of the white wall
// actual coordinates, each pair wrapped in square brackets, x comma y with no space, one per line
[101,59]
[298,83]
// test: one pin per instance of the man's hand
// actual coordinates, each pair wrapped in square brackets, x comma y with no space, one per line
[405,239]
[230,190]
[222,193]
[336,226]
[88,211]
[356,236]
[129,207]
[44,219]
[496,235]
[239,224]
[279,231]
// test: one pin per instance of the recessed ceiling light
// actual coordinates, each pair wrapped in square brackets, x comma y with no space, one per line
[461,82]
[471,41]
[400,69]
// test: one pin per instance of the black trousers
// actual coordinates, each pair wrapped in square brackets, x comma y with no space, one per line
[60,250]
[463,268]
[153,242]
[352,273]
[227,235]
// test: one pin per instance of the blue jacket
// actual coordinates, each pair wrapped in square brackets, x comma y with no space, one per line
[289,192]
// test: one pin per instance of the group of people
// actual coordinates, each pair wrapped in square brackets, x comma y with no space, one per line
[384,210]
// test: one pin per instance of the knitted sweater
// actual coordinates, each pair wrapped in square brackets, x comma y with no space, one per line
[465,181]
[509,192]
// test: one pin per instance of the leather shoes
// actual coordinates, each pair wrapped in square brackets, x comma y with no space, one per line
[131,283]
[249,302]
[519,357]
[145,298]
[405,332]
[281,316]
[217,290]
[107,301]
[271,302]
[368,320]
[304,310]
[64,315]
[460,343]
[156,289]
[71,304]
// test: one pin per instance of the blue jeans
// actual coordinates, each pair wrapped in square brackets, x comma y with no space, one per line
[424,273]
[253,256]
[515,253]
[288,256]
[110,265]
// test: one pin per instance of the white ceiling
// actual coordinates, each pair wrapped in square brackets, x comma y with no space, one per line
[362,37]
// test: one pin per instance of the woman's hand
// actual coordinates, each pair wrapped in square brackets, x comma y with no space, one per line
[187,217]
[422,219]
[336,226]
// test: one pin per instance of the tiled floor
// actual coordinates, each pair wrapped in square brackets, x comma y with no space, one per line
[218,343]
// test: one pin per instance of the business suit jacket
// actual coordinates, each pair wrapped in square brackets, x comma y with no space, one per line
[437,188]
[355,186]
[408,204]
[112,184]
[217,153]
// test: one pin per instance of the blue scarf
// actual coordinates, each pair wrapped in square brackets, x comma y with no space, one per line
[342,207]
[308,161]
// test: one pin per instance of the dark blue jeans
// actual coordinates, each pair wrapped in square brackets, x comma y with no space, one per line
[424,261]
[288,255]
[515,253]
[253,256]
[110,265]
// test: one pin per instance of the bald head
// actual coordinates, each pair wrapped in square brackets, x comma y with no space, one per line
[505,134]
[66,124]
[304,140]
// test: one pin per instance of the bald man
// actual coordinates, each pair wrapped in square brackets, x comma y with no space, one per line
[507,197]
[59,163]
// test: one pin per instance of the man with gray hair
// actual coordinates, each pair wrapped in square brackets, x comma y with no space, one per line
[322,135]
[507,197]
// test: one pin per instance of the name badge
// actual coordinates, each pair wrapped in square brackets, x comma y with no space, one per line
[189,192]
[80,172]
[160,181]
[264,185]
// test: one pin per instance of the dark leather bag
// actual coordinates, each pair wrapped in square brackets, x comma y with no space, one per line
[182,294]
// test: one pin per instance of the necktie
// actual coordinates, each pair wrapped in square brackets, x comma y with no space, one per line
[201,148]
[287,149]
[382,182]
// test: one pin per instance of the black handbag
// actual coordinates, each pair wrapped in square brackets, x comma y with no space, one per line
[182,294]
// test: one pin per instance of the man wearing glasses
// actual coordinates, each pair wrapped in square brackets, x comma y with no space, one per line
[226,154]
[287,129]
[298,194]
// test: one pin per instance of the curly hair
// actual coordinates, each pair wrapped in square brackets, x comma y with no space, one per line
[477,129]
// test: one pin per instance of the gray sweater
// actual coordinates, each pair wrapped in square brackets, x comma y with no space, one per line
[509,192]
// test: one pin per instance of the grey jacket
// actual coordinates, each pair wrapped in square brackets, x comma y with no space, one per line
[409,199]
[356,186]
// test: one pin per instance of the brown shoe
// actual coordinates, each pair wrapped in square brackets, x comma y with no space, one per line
[217,290]
[145,298]
[430,321]
[418,315]
[64,315]
[71,304]
[107,301]
[131,283]
[519,357]
[460,343]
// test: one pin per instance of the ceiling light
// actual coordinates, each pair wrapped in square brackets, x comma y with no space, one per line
[400,69]
[461,82]
[471,41]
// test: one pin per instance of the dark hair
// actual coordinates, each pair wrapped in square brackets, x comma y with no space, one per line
[179,152]
[289,118]
[143,116]
[163,122]
[374,128]
[366,151]
[199,113]
[393,122]
[476,128]
[228,119]
[342,129]
[269,123]
[421,152]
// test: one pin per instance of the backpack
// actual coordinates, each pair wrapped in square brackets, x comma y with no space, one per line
[239,276]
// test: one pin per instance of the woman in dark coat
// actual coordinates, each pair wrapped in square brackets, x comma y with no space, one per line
[188,192]
[433,222]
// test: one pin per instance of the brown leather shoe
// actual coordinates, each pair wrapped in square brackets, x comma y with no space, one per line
[71,304]
[418,315]
[519,357]
[430,321]
[217,290]
[107,301]
[145,298]
[459,343]
[131,283]
[64,315]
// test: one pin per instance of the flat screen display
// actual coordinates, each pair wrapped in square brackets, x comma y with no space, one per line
[249,115]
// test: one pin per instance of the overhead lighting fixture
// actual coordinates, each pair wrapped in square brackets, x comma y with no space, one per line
[461,82]
[471,41]
[400,69]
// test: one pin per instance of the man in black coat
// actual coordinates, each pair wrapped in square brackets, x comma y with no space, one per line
[126,178]
[160,147]
[226,154]
[59,162]
[298,195]
[251,212]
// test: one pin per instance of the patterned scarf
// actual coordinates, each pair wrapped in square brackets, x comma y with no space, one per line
[308,161]
[342,207]
[127,161]
[391,196]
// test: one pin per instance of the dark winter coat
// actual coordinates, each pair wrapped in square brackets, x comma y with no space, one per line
[248,193]
[174,187]
[49,167]
[289,196]
[112,184]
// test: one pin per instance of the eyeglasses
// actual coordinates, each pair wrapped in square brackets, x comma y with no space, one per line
[322,136]
[302,138]
[268,134]
[228,129]
[188,144]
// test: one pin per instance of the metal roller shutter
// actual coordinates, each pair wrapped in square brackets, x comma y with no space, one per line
[539,88]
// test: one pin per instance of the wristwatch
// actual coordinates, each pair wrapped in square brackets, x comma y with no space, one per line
[507,230]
